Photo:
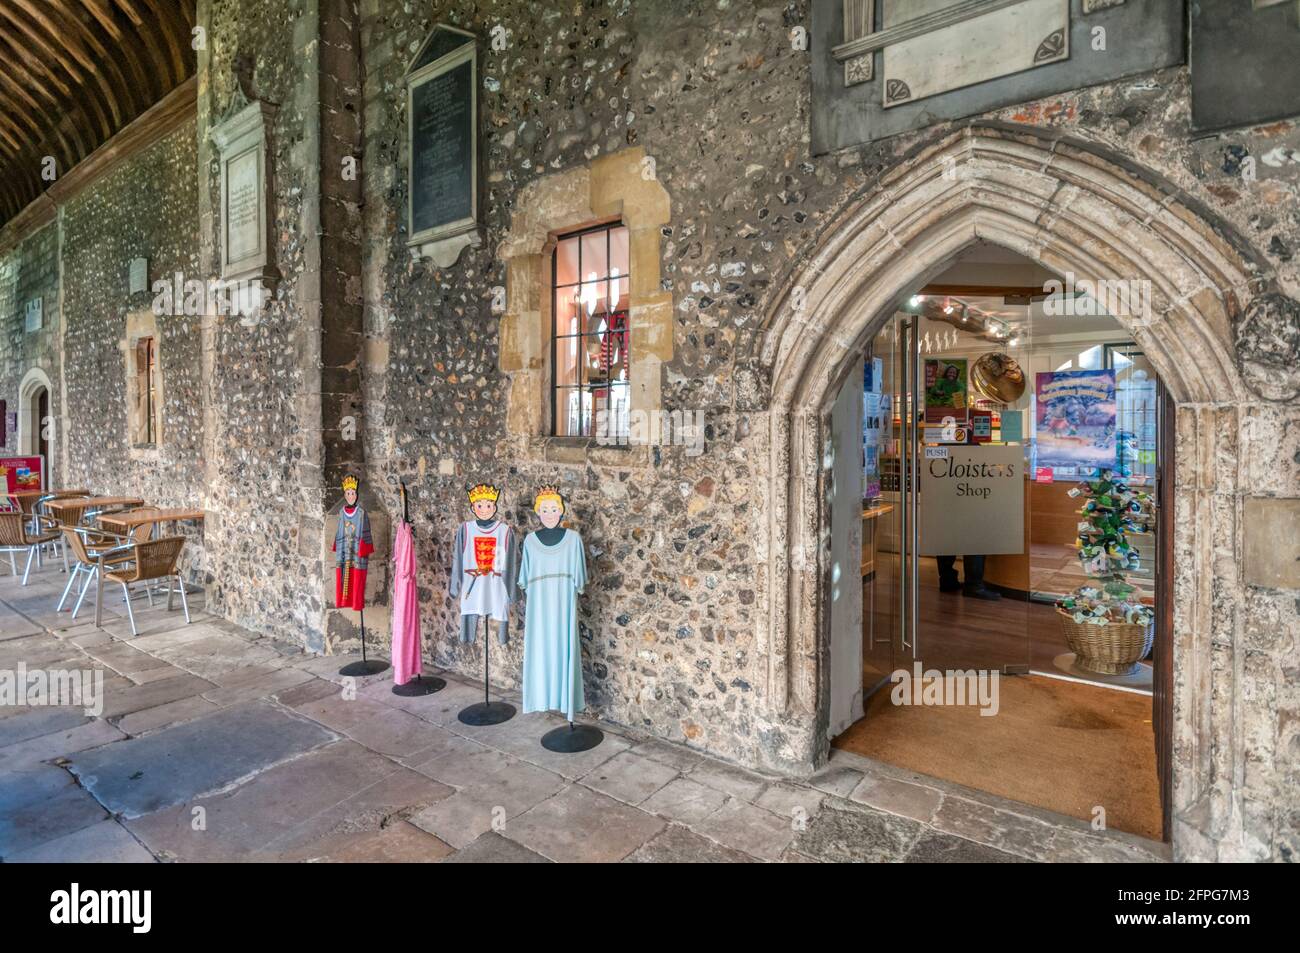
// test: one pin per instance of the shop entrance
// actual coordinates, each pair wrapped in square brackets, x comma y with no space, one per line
[1000,425]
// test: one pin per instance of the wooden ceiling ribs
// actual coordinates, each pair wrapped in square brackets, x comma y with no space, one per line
[176,34]
[73,73]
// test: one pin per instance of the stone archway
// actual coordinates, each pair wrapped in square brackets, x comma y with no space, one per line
[1072,210]
[29,421]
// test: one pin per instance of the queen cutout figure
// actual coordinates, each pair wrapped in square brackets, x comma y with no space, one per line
[553,572]
[352,547]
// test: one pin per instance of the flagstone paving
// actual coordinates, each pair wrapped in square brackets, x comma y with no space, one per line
[215,744]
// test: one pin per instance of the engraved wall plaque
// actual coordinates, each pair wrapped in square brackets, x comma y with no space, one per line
[442,147]
[241,141]
[1003,41]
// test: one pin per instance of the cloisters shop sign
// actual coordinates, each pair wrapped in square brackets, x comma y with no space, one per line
[442,147]
[972,500]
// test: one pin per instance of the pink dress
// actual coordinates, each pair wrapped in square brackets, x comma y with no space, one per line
[406,608]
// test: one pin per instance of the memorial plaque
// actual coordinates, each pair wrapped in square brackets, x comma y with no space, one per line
[35,315]
[241,142]
[138,275]
[442,149]
[882,68]
[1004,41]
[442,156]
[243,205]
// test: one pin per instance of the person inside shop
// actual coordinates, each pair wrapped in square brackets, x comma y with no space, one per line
[972,567]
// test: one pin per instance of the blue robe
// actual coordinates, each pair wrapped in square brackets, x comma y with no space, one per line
[552,577]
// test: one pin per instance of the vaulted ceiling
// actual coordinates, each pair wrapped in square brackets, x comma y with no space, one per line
[73,73]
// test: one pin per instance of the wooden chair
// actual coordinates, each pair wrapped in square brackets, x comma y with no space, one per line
[155,559]
[15,535]
[87,546]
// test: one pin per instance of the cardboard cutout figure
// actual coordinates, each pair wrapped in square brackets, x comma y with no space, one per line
[553,570]
[352,546]
[485,561]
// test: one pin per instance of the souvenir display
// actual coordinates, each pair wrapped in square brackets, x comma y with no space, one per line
[1106,623]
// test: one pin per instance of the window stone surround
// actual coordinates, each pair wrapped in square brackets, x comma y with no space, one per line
[616,188]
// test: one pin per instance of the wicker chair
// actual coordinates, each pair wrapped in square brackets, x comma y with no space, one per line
[155,559]
[16,535]
[86,547]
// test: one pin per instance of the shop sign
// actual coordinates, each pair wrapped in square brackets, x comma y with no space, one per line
[972,502]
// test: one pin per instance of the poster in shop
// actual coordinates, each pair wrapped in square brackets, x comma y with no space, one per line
[21,473]
[1075,422]
[945,389]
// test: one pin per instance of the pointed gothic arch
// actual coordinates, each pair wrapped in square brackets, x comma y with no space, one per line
[1074,210]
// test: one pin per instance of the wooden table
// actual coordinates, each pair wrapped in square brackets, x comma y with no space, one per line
[59,509]
[27,499]
[111,502]
[127,523]
[132,519]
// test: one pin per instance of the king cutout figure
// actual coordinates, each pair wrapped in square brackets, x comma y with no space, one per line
[485,566]
[352,546]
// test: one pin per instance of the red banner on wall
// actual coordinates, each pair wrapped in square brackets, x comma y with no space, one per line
[22,473]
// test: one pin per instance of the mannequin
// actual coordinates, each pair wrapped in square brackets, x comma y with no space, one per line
[485,560]
[352,549]
[553,570]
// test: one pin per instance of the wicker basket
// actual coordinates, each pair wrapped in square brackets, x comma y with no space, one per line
[1111,649]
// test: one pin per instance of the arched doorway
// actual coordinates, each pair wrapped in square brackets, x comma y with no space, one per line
[34,429]
[1075,212]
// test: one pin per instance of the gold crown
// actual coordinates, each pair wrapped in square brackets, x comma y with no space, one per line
[349,483]
[548,492]
[484,491]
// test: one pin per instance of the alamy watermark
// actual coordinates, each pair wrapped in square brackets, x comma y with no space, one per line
[932,687]
[178,296]
[1085,297]
[663,428]
[56,688]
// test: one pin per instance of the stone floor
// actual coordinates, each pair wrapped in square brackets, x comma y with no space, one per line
[217,744]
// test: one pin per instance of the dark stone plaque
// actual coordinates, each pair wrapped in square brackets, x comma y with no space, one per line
[442,156]
[442,149]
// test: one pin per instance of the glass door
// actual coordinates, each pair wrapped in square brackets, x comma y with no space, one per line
[950,500]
